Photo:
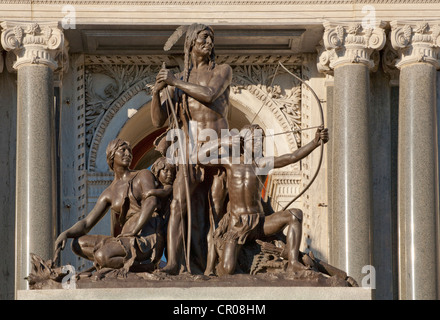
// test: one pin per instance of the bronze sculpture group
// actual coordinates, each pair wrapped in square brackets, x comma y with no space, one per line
[200,213]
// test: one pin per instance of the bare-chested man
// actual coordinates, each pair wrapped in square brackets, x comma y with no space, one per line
[202,94]
[245,219]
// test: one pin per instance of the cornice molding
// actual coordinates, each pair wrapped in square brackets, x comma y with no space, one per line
[351,43]
[34,43]
[215,2]
[416,42]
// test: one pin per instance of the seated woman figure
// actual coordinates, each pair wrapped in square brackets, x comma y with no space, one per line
[138,200]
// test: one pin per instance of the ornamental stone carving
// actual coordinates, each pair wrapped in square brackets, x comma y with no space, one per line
[283,100]
[416,42]
[389,59]
[106,83]
[34,43]
[354,43]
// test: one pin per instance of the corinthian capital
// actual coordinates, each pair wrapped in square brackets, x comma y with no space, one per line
[352,43]
[416,42]
[33,43]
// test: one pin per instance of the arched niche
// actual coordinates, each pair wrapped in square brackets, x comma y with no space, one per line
[129,118]
[246,108]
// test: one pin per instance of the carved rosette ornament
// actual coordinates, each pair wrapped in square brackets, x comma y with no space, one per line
[416,43]
[34,43]
[354,43]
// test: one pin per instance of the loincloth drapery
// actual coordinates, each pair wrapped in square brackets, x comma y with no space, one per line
[239,229]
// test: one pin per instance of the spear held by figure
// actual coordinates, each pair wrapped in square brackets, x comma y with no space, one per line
[201,94]
[184,168]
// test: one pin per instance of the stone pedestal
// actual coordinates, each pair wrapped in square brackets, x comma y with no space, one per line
[200,293]
[350,52]
[36,47]
[418,185]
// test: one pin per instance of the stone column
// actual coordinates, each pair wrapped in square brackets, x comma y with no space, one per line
[36,47]
[348,53]
[418,186]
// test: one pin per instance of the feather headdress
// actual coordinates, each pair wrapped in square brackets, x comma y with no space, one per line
[191,32]
[175,37]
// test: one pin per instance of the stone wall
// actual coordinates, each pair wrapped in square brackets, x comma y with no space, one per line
[8,120]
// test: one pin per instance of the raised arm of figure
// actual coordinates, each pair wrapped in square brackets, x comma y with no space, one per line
[159,112]
[217,85]
[304,151]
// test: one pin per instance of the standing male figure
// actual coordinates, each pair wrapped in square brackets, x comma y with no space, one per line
[201,92]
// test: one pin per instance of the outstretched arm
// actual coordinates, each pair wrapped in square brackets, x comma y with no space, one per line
[84,226]
[304,151]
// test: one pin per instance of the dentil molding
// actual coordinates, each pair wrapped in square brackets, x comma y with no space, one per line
[351,43]
[414,43]
[217,2]
[34,43]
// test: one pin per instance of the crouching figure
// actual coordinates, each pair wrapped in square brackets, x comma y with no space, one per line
[139,204]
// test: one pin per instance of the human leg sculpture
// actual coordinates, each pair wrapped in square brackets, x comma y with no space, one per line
[177,225]
[217,196]
[228,263]
[292,219]
[84,246]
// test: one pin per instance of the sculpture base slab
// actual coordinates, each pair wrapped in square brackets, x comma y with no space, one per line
[201,293]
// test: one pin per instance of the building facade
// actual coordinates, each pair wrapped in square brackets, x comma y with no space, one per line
[75,74]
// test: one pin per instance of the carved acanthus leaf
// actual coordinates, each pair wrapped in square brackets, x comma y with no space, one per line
[104,84]
[350,44]
[416,43]
[34,43]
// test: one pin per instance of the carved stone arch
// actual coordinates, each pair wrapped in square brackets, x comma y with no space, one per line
[243,109]
[269,94]
[115,119]
[116,122]
[252,98]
